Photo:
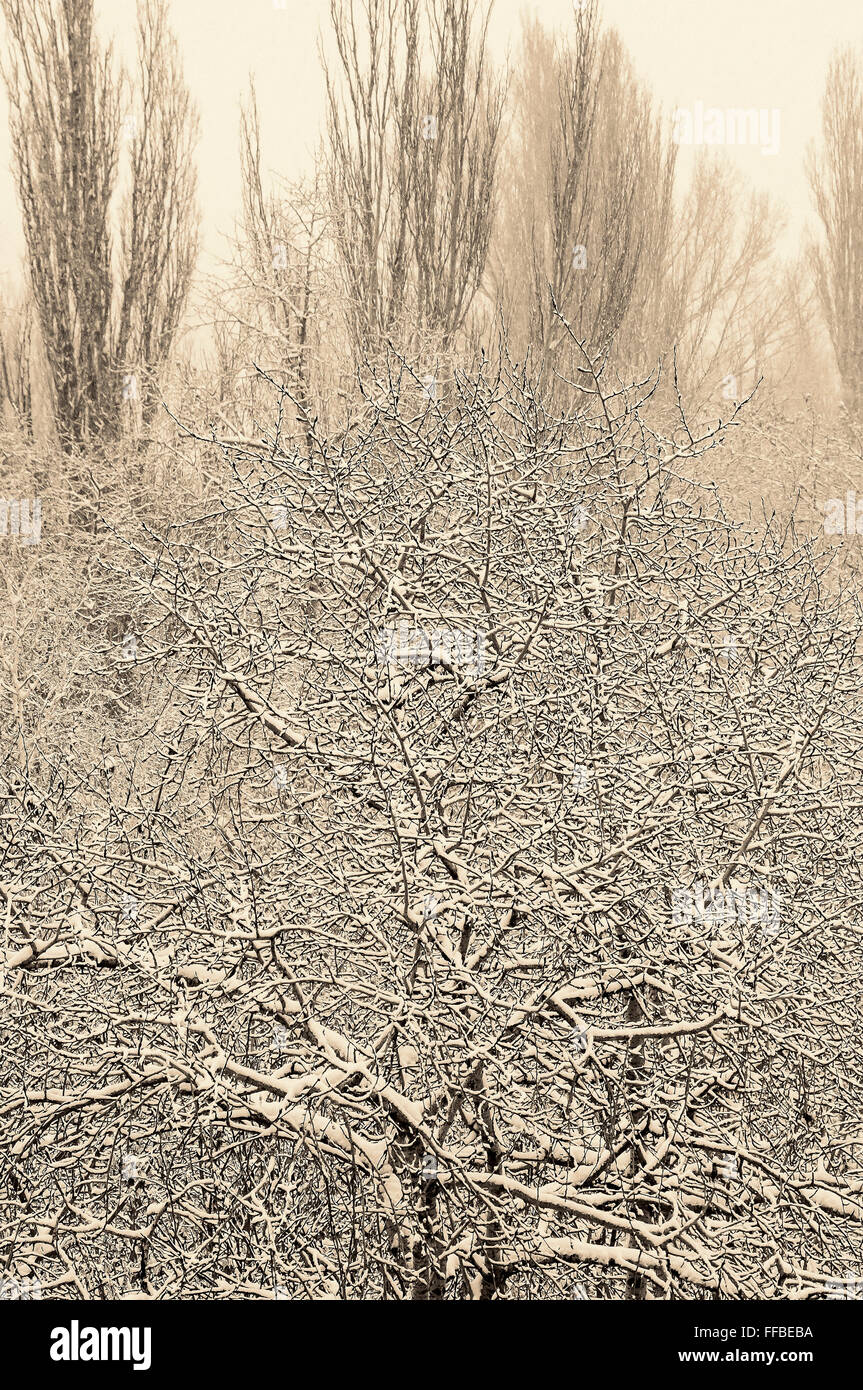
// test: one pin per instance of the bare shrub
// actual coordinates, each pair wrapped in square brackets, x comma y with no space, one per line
[476,919]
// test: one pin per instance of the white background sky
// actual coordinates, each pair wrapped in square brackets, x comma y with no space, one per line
[761,53]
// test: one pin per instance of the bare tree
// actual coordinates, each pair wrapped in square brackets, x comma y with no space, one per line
[104,337]
[589,194]
[159,241]
[368,197]
[272,303]
[279,269]
[595,226]
[412,163]
[836,180]
[724,301]
[453,169]
[16,364]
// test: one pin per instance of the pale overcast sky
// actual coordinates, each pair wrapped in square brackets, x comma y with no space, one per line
[733,53]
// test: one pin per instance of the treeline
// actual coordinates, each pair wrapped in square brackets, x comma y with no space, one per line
[450,202]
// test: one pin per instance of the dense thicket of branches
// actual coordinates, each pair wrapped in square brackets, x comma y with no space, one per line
[359,966]
[104,334]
